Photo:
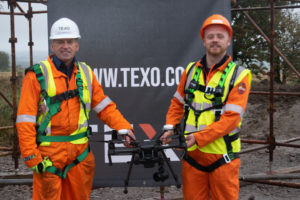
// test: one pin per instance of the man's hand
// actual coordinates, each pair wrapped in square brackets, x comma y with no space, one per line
[42,166]
[190,140]
[166,137]
[129,138]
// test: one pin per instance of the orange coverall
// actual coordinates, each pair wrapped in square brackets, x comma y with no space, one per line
[78,183]
[222,183]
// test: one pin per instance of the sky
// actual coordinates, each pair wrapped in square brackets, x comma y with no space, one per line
[39,32]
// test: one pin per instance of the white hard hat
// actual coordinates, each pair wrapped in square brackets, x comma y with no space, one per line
[64,28]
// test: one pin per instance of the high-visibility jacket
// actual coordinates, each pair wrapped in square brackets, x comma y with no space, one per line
[208,132]
[71,118]
[50,88]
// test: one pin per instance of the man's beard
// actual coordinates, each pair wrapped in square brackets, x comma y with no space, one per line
[216,52]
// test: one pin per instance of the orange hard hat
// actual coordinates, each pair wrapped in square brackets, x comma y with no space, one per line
[216,19]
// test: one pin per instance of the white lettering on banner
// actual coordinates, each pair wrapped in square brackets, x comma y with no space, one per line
[124,70]
[145,76]
[169,81]
[155,74]
[138,76]
[134,76]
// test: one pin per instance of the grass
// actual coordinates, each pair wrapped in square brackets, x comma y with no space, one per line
[6,135]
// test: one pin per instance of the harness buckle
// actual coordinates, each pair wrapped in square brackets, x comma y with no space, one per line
[219,91]
[67,95]
[89,131]
[209,90]
[227,158]
[193,85]
[44,93]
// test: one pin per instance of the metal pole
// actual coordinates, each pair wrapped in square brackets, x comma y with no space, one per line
[263,8]
[268,177]
[265,146]
[278,183]
[271,138]
[276,93]
[30,43]
[268,40]
[13,40]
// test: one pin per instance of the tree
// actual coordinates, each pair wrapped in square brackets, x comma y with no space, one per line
[288,41]
[4,61]
[252,49]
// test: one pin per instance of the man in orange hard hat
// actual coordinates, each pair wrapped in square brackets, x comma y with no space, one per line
[53,119]
[211,97]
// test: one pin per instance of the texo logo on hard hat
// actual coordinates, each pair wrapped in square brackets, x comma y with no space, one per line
[66,28]
[217,21]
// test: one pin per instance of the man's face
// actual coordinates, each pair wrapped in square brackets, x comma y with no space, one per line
[216,40]
[65,49]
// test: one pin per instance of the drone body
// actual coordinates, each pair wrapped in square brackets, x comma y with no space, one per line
[148,153]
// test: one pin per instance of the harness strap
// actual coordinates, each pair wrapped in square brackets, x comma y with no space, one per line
[217,105]
[63,138]
[225,159]
[63,173]
[54,106]
[64,96]
[217,91]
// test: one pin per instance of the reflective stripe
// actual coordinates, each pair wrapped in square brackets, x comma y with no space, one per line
[48,130]
[236,130]
[234,108]
[191,128]
[46,75]
[102,105]
[84,125]
[29,157]
[206,105]
[89,82]
[88,106]
[239,71]
[201,127]
[177,96]
[197,106]
[190,67]
[26,118]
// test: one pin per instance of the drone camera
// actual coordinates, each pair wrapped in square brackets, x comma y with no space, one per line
[161,175]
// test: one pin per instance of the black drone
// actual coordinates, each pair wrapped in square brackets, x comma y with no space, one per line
[147,153]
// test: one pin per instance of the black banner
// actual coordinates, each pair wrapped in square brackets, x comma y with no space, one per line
[138,50]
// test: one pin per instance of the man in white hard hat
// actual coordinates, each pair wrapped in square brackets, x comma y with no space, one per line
[53,118]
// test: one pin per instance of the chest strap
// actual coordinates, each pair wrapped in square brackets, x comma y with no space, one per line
[63,173]
[64,96]
[218,92]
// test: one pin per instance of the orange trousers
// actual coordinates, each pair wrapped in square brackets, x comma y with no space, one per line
[79,181]
[221,184]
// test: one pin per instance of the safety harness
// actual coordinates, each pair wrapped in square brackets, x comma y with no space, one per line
[54,104]
[218,93]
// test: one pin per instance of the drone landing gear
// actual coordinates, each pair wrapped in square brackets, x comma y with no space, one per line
[161,175]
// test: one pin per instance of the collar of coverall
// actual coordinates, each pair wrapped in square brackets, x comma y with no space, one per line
[202,63]
[60,66]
